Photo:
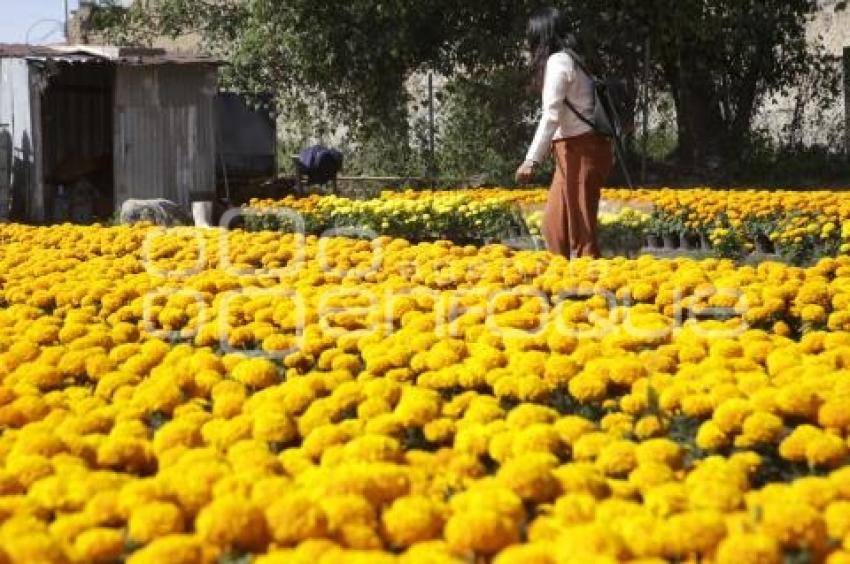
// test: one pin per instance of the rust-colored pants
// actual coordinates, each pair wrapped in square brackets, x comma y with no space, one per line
[582,165]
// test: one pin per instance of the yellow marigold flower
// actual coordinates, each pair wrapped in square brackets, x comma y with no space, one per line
[439,430]
[749,548]
[834,414]
[572,508]
[42,376]
[533,553]
[99,545]
[587,542]
[589,445]
[582,477]
[131,454]
[34,547]
[760,428]
[814,490]
[413,519]
[153,520]
[826,449]
[231,521]
[482,531]
[535,438]
[256,372]
[572,427]
[176,549]
[649,475]
[418,407]
[273,425]
[496,497]
[588,387]
[28,468]
[348,509]
[839,556]
[730,415]
[648,427]
[531,477]
[617,458]
[794,525]
[711,437]
[103,508]
[837,516]
[697,405]
[296,518]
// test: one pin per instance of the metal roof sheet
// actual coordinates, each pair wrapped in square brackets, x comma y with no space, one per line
[95,53]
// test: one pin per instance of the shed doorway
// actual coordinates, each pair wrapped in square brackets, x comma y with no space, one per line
[77,129]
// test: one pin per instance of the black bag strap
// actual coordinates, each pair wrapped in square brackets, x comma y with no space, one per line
[581,64]
[579,115]
[619,148]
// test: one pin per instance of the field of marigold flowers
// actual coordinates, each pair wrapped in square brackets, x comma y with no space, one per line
[192,395]
[800,227]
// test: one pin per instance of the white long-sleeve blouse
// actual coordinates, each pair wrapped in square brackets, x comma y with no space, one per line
[564,79]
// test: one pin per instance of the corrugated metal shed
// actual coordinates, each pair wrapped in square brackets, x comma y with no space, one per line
[139,121]
[16,114]
[246,140]
[118,55]
[164,132]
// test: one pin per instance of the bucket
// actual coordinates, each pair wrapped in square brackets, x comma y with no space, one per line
[202,213]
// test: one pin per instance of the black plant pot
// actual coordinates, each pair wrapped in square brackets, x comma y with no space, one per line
[692,241]
[654,241]
[764,245]
[672,241]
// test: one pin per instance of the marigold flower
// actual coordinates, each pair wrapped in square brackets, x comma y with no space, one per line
[99,545]
[153,520]
[482,531]
[231,521]
[177,549]
[794,525]
[412,520]
[531,477]
[760,428]
[256,372]
[711,437]
[296,518]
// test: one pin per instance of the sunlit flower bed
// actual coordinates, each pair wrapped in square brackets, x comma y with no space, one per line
[619,233]
[202,396]
[799,226]
[461,216]
[457,216]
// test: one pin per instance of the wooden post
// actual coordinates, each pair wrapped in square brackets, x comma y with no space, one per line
[847,101]
[647,61]
[431,124]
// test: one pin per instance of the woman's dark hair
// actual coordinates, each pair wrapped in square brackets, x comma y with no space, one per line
[548,32]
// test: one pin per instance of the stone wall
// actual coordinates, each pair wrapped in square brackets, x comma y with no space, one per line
[80,32]
[820,126]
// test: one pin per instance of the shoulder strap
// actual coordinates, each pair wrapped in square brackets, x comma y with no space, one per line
[579,115]
[581,64]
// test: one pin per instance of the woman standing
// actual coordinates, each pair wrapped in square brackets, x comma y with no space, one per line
[583,157]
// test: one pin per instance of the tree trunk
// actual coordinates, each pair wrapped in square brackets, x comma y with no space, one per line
[702,134]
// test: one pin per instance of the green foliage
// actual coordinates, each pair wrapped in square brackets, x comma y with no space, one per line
[463,223]
[487,124]
[345,63]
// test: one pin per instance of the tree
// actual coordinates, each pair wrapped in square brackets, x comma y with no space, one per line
[720,59]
